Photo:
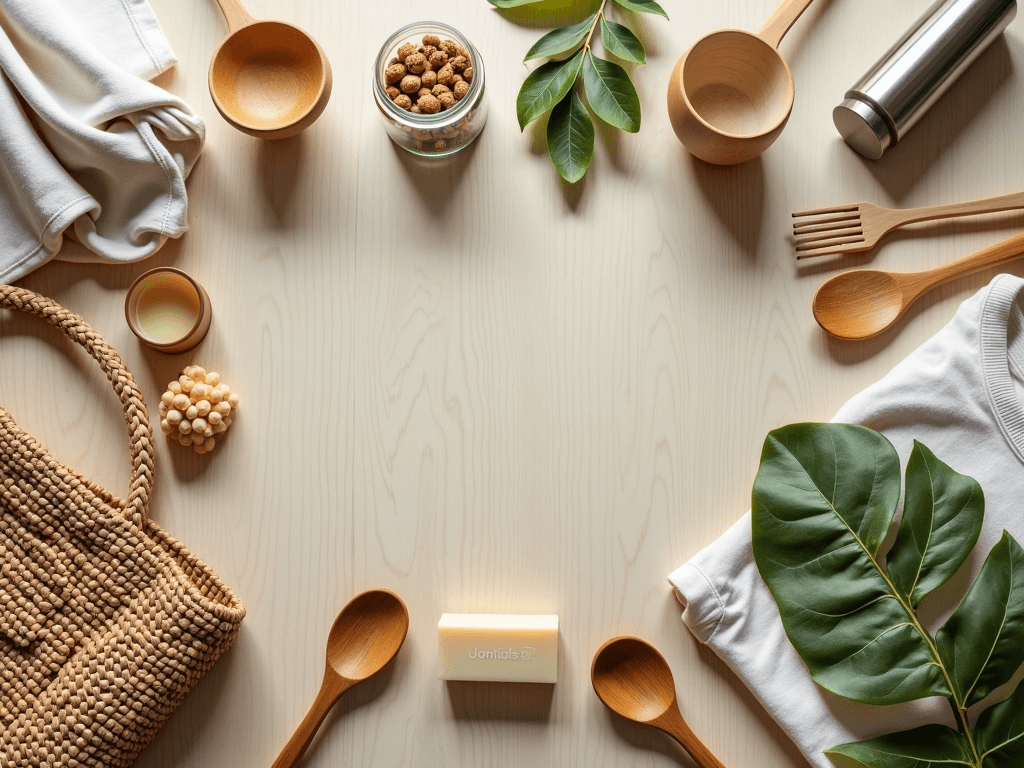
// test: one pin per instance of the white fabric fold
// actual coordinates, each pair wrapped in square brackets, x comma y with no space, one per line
[87,143]
[961,395]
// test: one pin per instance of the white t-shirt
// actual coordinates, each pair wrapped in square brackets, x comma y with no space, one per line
[960,395]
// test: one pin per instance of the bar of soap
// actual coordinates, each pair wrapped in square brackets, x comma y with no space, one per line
[490,647]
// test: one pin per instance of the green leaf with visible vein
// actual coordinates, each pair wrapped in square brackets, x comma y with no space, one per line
[823,501]
[643,6]
[611,93]
[931,746]
[571,138]
[1000,732]
[942,518]
[983,641]
[512,3]
[620,41]
[561,40]
[545,87]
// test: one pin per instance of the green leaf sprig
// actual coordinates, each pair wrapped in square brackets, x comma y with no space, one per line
[823,501]
[552,87]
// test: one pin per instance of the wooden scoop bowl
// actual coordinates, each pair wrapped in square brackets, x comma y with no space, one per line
[268,79]
[365,637]
[634,681]
[732,93]
[865,302]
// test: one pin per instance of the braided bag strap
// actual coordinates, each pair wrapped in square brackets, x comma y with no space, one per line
[139,433]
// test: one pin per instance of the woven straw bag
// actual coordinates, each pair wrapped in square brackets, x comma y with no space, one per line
[106,622]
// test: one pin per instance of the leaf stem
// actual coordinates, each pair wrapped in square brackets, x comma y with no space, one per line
[597,18]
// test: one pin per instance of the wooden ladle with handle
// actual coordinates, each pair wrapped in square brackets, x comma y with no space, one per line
[634,680]
[732,93]
[865,302]
[268,79]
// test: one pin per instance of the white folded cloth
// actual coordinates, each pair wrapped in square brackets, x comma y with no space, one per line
[85,141]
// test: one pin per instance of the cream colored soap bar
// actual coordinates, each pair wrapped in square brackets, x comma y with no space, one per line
[491,647]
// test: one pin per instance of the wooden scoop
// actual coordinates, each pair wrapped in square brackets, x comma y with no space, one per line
[732,93]
[367,634]
[634,680]
[866,302]
[268,79]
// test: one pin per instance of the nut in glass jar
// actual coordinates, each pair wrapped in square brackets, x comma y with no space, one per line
[458,107]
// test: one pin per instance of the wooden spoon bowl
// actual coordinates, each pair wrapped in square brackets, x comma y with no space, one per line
[268,79]
[863,303]
[634,681]
[366,636]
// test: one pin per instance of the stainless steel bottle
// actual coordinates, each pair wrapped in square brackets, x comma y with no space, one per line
[879,110]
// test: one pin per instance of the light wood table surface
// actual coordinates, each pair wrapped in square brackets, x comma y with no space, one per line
[488,392]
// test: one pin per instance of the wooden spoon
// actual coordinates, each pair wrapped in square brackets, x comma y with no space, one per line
[634,680]
[367,634]
[865,302]
[268,79]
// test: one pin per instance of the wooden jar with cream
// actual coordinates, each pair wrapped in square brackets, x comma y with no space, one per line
[168,310]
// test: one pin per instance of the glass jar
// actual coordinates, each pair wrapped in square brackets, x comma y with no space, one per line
[444,132]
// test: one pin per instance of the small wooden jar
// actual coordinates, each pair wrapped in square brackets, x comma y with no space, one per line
[168,310]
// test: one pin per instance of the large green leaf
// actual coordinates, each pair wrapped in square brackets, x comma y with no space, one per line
[931,746]
[620,41]
[942,518]
[1000,733]
[983,641]
[571,138]
[561,40]
[611,93]
[545,87]
[643,6]
[823,501]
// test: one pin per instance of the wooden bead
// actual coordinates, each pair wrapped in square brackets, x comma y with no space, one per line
[213,378]
[209,443]
[181,402]
[186,383]
[222,408]
[234,400]
[203,408]
[167,398]
[214,418]
[174,387]
[166,427]
[192,413]
[197,438]
[174,418]
[185,427]
[184,440]
[199,425]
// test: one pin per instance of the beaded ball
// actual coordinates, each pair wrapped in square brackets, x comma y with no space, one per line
[196,408]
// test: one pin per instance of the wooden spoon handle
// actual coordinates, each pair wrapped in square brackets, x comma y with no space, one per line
[782,20]
[330,692]
[1003,252]
[673,724]
[235,14]
[972,208]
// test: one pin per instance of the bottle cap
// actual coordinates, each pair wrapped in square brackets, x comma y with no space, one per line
[863,128]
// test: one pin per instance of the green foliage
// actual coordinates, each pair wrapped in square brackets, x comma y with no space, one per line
[570,138]
[555,85]
[823,502]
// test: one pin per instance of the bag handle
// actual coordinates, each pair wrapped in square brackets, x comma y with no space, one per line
[140,435]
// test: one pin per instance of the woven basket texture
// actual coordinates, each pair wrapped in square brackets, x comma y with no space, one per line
[106,622]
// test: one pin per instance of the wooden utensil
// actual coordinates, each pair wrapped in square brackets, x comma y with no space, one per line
[634,681]
[732,93]
[865,302]
[269,79]
[367,634]
[859,227]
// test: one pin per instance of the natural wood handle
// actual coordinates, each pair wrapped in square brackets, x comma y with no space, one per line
[1008,250]
[988,205]
[782,21]
[673,724]
[331,690]
[235,14]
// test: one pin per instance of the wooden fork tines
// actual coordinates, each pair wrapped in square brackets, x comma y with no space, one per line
[858,227]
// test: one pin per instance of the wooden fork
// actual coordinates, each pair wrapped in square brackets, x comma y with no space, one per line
[859,227]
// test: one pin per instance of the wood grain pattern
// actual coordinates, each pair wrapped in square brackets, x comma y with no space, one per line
[484,391]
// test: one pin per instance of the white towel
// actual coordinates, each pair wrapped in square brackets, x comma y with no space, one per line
[85,141]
